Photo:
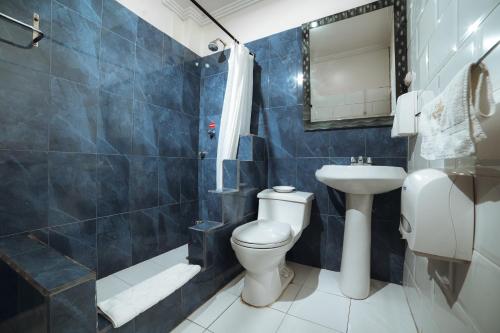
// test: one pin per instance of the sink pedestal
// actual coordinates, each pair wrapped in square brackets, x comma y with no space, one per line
[355,266]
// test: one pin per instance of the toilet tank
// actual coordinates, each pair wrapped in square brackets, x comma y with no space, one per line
[293,208]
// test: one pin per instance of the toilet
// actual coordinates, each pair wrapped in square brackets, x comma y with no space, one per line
[261,245]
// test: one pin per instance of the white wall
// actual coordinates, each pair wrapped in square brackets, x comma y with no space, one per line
[187,32]
[444,35]
[268,17]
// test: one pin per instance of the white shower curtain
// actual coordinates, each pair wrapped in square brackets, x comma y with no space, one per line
[237,109]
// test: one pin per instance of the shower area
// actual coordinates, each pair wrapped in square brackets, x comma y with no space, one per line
[113,171]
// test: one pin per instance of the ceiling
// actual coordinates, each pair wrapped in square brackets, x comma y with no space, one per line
[360,33]
[217,8]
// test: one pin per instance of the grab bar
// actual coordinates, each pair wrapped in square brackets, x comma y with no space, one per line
[37,33]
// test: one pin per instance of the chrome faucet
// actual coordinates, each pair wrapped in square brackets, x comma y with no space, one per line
[360,161]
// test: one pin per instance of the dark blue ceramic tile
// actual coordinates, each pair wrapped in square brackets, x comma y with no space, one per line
[117,50]
[310,246]
[50,270]
[35,58]
[105,326]
[380,144]
[119,19]
[281,132]
[171,87]
[145,233]
[313,144]
[163,317]
[73,123]
[284,44]
[331,253]
[215,63]
[283,82]
[191,94]
[113,174]
[146,127]
[73,58]
[149,38]
[307,182]
[213,207]
[77,241]
[231,174]
[24,108]
[90,9]
[208,175]
[72,187]
[208,143]
[148,68]
[18,244]
[253,174]
[178,135]
[189,180]
[336,202]
[114,244]
[114,124]
[282,172]
[23,191]
[73,310]
[348,142]
[391,161]
[260,48]
[260,95]
[170,173]
[245,148]
[174,223]
[192,62]
[143,180]
[198,290]
[173,51]
[212,94]
[116,79]
[196,248]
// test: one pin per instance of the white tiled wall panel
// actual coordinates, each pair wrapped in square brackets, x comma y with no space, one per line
[444,36]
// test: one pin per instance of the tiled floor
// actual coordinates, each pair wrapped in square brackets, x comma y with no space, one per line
[119,281]
[311,303]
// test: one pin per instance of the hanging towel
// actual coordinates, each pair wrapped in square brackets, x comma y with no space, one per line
[404,116]
[449,123]
[237,109]
[128,304]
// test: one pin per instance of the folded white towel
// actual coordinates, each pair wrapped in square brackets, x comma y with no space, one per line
[128,304]
[449,123]
[404,116]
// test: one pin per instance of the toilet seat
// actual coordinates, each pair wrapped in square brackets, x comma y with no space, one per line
[262,234]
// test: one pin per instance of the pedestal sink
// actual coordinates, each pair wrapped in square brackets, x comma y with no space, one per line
[360,183]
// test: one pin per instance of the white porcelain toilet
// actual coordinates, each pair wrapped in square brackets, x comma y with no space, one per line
[261,245]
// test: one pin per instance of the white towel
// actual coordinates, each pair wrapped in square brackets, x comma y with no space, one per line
[449,123]
[404,116]
[128,304]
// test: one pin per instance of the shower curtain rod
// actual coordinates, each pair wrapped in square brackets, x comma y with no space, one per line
[217,22]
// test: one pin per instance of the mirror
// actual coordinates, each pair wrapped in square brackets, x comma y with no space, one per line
[351,69]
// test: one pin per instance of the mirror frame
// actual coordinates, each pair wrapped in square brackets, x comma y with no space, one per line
[400,50]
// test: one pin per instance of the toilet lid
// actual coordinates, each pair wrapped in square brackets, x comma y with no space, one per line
[263,234]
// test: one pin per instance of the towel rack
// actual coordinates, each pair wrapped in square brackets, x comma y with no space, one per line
[37,33]
[487,53]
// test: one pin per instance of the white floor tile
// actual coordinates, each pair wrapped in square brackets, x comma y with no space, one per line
[323,308]
[242,318]
[324,280]
[109,286]
[384,292]
[139,272]
[235,286]
[188,327]
[301,272]
[375,318]
[172,257]
[295,325]
[284,303]
[206,314]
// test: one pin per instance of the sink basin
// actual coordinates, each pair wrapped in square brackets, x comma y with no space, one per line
[360,182]
[361,179]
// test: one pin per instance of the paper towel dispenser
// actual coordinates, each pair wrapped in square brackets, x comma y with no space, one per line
[437,214]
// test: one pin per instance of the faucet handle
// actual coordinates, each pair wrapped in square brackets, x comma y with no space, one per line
[360,160]
[353,160]
[369,161]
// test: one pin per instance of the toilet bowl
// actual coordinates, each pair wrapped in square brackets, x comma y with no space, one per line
[261,245]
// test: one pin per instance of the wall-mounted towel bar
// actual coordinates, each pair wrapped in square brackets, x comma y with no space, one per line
[37,33]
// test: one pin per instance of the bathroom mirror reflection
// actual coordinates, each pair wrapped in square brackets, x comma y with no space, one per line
[350,66]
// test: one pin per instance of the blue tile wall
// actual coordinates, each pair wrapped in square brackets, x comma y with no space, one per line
[295,154]
[99,133]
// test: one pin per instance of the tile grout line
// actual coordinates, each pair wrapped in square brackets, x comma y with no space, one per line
[217,318]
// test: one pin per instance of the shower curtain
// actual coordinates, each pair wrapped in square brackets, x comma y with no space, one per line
[237,109]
